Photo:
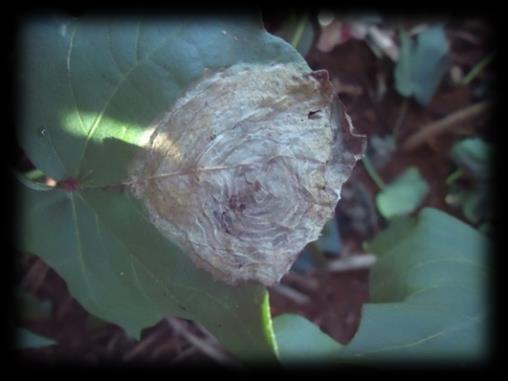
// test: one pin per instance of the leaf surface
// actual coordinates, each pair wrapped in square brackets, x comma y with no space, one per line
[28,339]
[403,195]
[428,299]
[422,64]
[90,91]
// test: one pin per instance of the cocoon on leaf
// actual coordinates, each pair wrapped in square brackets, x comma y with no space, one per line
[247,167]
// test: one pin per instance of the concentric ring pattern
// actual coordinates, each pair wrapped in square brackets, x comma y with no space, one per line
[246,168]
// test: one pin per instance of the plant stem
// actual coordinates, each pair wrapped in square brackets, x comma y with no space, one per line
[299,31]
[477,69]
[372,172]
[454,176]
[400,118]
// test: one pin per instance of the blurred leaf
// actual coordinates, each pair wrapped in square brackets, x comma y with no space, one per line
[403,195]
[470,207]
[474,155]
[475,203]
[428,300]
[381,149]
[305,261]
[422,64]
[31,181]
[312,255]
[329,241]
[28,339]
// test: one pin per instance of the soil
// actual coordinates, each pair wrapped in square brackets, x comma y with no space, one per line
[332,300]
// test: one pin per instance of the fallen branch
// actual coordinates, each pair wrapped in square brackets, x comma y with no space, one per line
[291,294]
[443,125]
[141,346]
[303,283]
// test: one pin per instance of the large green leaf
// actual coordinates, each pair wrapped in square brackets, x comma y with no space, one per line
[90,88]
[428,299]
[84,81]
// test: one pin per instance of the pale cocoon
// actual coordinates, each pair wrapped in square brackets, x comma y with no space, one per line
[246,168]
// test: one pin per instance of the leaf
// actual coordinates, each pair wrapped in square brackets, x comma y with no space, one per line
[428,299]
[313,256]
[474,155]
[30,183]
[422,64]
[105,79]
[28,339]
[329,241]
[403,195]
[90,90]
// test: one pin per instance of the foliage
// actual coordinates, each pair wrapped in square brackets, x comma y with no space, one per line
[422,64]
[473,157]
[90,89]
[428,299]
[28,339]
[403,195]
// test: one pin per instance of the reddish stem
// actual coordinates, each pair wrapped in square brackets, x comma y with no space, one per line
[70,184]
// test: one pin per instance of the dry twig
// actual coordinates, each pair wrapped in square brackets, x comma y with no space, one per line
[203,345]
[443,125]
[353,262]
[290,293]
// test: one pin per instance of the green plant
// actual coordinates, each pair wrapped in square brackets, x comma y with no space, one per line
[428,300]
[90,89]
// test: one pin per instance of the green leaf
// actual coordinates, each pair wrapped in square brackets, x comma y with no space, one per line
[121,269]
[87,80]
[428,299]
[28,339]
[27,181]
[329,241]
[90,90]
[403,195]
[474,155]
[422,64]
[404,68]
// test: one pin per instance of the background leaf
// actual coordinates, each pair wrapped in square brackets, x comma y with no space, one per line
[422,63]
[28,339]
[403,195]
[90,89]
[428,299]
[474,155]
